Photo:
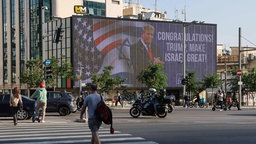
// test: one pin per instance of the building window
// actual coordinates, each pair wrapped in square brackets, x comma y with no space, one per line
[99,9]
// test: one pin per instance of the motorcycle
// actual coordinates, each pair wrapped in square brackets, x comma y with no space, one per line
[138,109]
[79,103]
[168,103]
[219,105]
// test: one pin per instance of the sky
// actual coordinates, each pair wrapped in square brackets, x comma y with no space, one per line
[229,15]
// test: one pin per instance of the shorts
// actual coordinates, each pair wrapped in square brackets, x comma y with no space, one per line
[94,124]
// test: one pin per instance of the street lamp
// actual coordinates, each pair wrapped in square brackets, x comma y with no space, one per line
[239,58]
[43,8]
[225,54]
[184,57]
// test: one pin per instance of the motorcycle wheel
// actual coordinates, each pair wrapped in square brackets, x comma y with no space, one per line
[213,109]
[191,105]
[161,112]
[169,108]
[135,112]
[201,105]
[162,115]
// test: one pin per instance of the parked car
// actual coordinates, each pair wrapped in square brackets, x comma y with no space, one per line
[62,102]
[25,113]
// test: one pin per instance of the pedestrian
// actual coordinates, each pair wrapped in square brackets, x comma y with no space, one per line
[41,99]
[220,98]
[186,99]
[91,101]
[15,100]
[80,100]
[234,102]
[119,99]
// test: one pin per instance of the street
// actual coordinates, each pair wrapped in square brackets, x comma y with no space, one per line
[194,126]
[183,125]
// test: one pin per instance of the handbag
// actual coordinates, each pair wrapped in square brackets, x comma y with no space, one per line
[20,105]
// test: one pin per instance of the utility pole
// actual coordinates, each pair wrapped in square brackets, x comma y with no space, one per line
[80,77]
[240,67]
[43,8]
[155,5]
[184,57]
[225,72]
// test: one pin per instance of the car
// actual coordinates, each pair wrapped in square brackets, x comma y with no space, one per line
[6,111]
[62,102]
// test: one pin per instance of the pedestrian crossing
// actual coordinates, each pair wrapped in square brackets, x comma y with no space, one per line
[62,133]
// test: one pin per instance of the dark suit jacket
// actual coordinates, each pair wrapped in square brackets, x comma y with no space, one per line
[140,58]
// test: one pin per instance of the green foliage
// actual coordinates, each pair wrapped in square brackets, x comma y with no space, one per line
[105,81]
[34,72]
[249,82]
[192,86]
[65,70]
[211,81]
[153,76]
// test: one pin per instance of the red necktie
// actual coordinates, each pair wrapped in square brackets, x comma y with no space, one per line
[150,53]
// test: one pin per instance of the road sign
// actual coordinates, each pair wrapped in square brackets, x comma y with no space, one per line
[240,83]
[47,62]
[239,72]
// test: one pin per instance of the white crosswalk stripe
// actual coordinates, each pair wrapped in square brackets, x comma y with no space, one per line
[62,133]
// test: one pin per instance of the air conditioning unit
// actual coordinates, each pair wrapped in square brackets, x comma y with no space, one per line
[250,57]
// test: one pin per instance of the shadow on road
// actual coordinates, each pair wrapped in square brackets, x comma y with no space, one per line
[242,114]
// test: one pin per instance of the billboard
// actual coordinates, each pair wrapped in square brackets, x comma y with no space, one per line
[130,45]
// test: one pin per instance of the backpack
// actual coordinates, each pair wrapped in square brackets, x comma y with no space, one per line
[104,113]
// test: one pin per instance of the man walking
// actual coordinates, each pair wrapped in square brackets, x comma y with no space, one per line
[91,101]
[41,99]
[119,99]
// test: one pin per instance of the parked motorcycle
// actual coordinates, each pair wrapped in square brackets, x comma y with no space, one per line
[138,109]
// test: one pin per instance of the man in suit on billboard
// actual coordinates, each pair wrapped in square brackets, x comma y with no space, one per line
[143,52]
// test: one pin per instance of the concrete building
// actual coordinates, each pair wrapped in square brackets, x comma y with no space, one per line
[137,11]
[21,31]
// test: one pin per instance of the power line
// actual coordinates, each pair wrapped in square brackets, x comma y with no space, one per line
[248,41]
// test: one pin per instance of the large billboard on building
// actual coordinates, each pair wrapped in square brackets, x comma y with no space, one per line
[129,45]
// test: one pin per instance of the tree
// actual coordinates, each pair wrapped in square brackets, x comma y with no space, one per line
[105,81]
[34,73]
[249,83]
[192,84]
[211,81]
[153,76]
[65,70]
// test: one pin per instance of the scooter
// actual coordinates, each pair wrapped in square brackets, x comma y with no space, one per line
[217,105]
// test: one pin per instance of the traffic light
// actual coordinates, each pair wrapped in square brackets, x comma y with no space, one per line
[184,81]
[48,72]
[58,35]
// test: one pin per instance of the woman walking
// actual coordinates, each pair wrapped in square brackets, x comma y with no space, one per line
[15,99]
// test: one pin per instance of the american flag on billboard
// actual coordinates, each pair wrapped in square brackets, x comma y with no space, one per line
[86,56]
[103,42]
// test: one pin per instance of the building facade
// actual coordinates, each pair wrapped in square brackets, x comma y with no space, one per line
[22,34]
[20,38]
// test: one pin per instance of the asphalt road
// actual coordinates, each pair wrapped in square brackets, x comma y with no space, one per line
[182,126]
[192,126]
[189,126]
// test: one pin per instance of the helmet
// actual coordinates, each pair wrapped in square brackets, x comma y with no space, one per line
[152,89]
[42,85]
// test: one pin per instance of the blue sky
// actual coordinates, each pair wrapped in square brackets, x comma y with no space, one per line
[229,15]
